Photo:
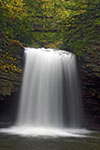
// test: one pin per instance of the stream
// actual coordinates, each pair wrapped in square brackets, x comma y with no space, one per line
[12,142]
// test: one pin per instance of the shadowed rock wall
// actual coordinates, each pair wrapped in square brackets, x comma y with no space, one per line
[90,78]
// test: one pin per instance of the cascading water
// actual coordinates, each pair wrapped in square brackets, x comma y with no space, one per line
[50,91]
[50,98]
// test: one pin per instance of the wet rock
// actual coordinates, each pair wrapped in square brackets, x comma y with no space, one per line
[90,78]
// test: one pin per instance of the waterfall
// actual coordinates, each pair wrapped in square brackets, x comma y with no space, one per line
[50,102]
[50,95]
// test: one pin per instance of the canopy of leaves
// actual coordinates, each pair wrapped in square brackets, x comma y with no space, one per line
[51,23]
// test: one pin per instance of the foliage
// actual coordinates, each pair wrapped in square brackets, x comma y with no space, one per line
[12,18]
[71,24]
[8,64]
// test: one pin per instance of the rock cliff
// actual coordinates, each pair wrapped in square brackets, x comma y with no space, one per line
[90,78]
[11,62]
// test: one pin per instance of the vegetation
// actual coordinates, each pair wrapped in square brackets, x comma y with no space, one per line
[51,23]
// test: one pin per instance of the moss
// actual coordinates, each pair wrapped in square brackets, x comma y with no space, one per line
[50,45]
[16,43]
[15,48]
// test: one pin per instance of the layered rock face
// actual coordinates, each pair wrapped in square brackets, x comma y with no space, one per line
[11,61]
[90,78]
[11,68]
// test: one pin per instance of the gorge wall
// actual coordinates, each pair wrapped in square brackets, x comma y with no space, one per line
[11,62]
[11,66]
[90,79]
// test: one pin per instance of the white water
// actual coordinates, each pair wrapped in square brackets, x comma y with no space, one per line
[50,101]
